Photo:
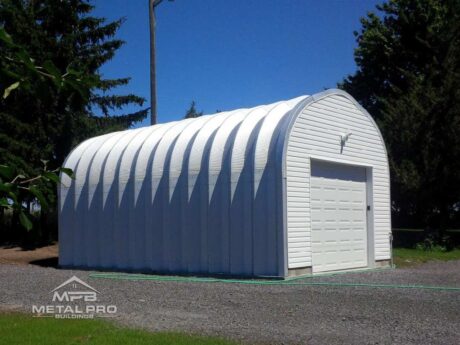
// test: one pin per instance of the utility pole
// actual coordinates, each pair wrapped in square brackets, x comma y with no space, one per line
[153,81]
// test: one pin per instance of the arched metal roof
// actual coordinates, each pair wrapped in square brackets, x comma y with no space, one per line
[173,148]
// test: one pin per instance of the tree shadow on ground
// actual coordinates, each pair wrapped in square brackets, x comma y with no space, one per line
[48,262]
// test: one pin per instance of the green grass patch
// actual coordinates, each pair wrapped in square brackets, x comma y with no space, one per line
[404,257]
[24,329]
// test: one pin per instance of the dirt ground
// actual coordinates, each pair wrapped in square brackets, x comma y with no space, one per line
[43,256]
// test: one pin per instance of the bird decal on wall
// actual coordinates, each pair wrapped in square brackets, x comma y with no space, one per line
[343,140]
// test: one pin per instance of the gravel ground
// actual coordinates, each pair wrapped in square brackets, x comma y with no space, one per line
[270,314]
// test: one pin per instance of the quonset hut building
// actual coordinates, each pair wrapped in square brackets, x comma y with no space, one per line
[289,188]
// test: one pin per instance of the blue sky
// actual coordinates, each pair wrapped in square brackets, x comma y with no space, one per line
[233,54]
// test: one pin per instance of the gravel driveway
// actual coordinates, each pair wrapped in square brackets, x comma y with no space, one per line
[270,314]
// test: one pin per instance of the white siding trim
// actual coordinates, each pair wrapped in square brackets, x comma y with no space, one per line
[315,133]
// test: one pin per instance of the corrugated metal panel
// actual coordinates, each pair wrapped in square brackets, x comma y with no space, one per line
[198,195]
[316,132]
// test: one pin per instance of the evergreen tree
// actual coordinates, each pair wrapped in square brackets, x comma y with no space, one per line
[408,75]
[45,123]
[192,112]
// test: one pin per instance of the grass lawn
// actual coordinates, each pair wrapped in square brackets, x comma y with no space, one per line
[24,329]
[404,257]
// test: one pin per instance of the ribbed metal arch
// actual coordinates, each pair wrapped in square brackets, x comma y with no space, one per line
[186,196]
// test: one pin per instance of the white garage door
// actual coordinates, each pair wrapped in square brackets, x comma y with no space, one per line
[338,216]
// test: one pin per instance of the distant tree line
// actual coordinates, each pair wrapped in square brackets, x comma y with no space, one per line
[192,112]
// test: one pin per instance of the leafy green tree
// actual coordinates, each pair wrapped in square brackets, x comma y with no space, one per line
[19,66]
[17,190]
[408,78]
[52,96]
[43,122]
[192,112]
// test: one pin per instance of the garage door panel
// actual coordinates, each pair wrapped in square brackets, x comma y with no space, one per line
[338,218]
